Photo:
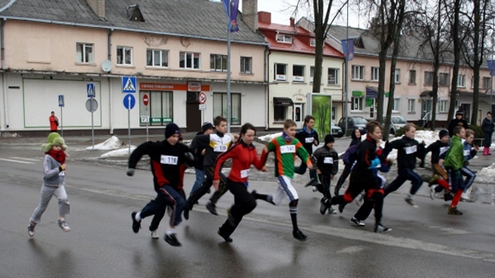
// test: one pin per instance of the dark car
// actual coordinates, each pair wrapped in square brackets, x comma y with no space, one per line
[336,130]
[353,122]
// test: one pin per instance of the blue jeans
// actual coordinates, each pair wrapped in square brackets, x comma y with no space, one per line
[166,196]
[200,178]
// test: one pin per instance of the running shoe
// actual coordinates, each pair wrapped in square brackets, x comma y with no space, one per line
[172,240]
[323,206]
[341,207]
[454,211]
[63,225]
[358,222]
[31,227]
[186,213]
[136,225]
[410,201]
[299,235]
[432,192]
[211,208]
[225,237]
[379,228]
[332,210]
[154,235]
[448,196]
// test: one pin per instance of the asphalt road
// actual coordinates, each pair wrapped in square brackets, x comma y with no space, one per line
[424,242]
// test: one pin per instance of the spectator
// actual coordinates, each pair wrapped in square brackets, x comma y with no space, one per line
[53,122]
[487,127]
[458,121]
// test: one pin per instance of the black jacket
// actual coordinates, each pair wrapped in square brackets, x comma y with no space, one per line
[407,151]
[455,122]
[437,149]
[487,125]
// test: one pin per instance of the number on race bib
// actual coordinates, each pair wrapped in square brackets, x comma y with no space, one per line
[288,149]
[169,160]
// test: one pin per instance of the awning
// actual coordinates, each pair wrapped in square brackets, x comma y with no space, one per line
[371,92]
[282,101]
[426,94]
[357,93]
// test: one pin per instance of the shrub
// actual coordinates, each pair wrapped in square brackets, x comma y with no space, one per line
[478,132]
[400,131]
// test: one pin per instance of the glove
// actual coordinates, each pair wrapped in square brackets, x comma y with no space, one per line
[190,160]
[130,172]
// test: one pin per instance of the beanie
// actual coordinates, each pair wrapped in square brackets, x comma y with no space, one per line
[443,133]
[53,139]
[171,129]
[206,126]
[459,112]
[329,139]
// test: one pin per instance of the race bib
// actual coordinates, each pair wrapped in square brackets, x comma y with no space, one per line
[467,152]
[169,160]
[411,149]
[220,148]
[443,150]
[309,139]
[288,149]
[328,160]
[245,173]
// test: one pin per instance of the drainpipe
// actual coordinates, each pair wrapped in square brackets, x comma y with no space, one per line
[4,80]
[267,90]
[110,92]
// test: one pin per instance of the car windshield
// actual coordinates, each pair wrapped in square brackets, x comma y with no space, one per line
[360,121]
[399,120]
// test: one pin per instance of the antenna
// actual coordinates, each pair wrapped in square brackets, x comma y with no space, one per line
[106,66]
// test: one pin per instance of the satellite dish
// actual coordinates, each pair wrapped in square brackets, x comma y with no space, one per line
[106,66]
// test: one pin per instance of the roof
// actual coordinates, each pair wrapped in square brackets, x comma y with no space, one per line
[187,18]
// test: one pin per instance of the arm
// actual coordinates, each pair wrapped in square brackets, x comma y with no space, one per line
[315,136]
[144,148]
[257,162]
[51,172]
[221,158]
[335,168]
[304,155]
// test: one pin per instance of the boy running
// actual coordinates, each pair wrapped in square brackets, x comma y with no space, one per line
[454,161]
[327,163]
[308,138]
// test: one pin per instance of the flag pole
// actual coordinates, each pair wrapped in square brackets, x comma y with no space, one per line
[229,117]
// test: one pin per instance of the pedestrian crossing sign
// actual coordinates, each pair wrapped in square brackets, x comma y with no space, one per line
[128,84]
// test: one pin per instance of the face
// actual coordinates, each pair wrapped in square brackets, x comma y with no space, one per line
[310,124]
[458,116]
[489,116]
[290,131]
[56,147]
[208,131]
[172,140]
[411,132]
[445,139]
[470,139]
[330,145]
[376,134]
[357,133]
[462,133]
[222,127]
[248,137]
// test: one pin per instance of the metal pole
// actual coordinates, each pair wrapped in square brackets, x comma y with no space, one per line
[147,121]
[229,117]
[92,124]
[346,72]
[61,123]
[129,122]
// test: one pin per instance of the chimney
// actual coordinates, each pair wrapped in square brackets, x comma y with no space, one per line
[265,17]
[291,22]
[250,13]
[98,6]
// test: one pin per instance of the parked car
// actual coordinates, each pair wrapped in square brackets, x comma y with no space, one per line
[353,122]
[398,121]
[336,130]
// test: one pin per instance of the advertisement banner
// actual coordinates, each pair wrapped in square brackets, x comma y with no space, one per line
[320,107]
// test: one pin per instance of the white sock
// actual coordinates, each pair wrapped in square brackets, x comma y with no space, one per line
[138,216]
[170,231]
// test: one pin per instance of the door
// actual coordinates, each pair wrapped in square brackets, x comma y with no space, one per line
[298,116]
[193,114]
[425,110]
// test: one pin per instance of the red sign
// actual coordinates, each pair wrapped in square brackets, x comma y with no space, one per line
[145,99]
[202,98]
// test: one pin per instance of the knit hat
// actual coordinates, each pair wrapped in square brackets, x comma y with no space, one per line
[459,112]
[53,139]
[207,126]
[171,129]
[329,139]
[443,133]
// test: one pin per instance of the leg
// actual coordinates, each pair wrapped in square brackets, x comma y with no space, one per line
[395,184]
[45,196]
[342,178]
[200,177]
[63,201]
[416,181]
[157,218]
[291,193]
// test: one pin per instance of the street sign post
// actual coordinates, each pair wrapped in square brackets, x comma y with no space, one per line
[202,98]
[145,102]
[129,102]
[91,106]
[61,104]
[90,90]
[202,104]
[129,84]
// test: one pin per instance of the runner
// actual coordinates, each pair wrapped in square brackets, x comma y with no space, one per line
[327,163]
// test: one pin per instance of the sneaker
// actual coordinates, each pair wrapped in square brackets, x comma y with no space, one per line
[379,228]
[299,235]
[465,197]
[311,182]
[31,229]
[332,211]
[358,223]
[341,207]
[154,235]
[186,213]
[226,238]
[410,201]
[323,206]
[172,240]
[211,208]
[136,225]
[454,211]
[63,225]
[448,197]
[315,188]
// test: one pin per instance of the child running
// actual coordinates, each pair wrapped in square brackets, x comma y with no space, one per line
[308,138]
[285,148]
[53,182]
[454,161]
[243,155]
[438,150]
[327,163]
[350,154]
[469,153]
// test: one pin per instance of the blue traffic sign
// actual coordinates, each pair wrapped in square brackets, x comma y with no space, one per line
[129,101]
[61,101]
[90,89]
[129,84]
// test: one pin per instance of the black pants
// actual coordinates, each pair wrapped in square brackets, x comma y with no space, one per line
[203,189]
[324,185]
[244,203]
[342,178]
[488,139]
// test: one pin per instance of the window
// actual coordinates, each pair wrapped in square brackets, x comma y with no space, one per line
[410,105]
[159,109]
[157,58]
[280,72]
[412,77]
[297,73]
[311,74]
[443,106]
[124,55]
[443,79]
[397,76]
[284,38]
[188,60]
[486,82]
[220,105]
[396,104]
[84,53]
[428,78]
[333,76]
[218,62]
[312,42]
[461,81]
[375,73]
[357,72]
[357,103]
[246,64]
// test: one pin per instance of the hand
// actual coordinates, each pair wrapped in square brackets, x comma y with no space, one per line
[236,137]
[203,152]
[311,167]
[264,169]
[63,166]
[440,162]
[476,148]
[216,183]
[318,171]
[130,172]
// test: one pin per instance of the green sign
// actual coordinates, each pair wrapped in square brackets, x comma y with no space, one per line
[321,110]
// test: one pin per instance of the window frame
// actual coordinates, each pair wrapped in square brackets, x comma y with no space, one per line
[195,62]
[412,77]
[357,102]
[336,71]
[283,38]
[462,79]
[153,51]
[375,74]
[300,77]
[443,79]
[84,59]
[411,105]
[397,76]
[428,78]
[357,70]
[124,49]
[245,60]
[276,75]
[443,106]
[216,59]
[396,105]
[486,82]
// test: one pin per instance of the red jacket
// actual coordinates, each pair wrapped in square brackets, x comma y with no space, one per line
[53,123]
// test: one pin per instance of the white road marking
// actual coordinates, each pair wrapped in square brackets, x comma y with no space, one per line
[16,161]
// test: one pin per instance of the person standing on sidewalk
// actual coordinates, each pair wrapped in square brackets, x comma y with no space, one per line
[243,155]
[53,182]
[53,122]
[454,161]
[458,121]
[308,138]
[168,160]
[487,127]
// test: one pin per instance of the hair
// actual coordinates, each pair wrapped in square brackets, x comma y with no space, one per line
[218,120]
[469,132]
[372,125]
[308,118]
[244,128]
[458,129]
[408,126]
[489,113]
[288,123]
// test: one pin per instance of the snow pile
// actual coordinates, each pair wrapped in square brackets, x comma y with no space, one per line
[269,137]
[123,152]
[112,143]
[486,174]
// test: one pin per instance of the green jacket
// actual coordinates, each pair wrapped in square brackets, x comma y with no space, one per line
[455,156]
